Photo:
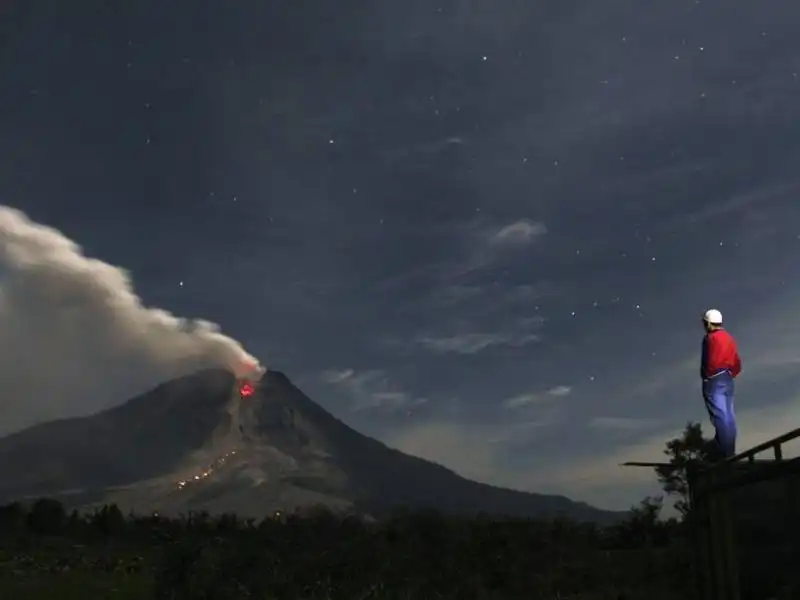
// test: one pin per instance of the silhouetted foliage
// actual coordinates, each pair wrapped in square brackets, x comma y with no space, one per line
[108,521]
[12,518]
[46,517]
[644,528]
[690,447]
[316,553]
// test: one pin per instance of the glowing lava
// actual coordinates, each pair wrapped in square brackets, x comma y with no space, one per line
[246,390]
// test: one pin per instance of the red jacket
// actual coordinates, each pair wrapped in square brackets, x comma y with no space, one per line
[719,354]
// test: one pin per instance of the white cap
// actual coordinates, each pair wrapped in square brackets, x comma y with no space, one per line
[713,316]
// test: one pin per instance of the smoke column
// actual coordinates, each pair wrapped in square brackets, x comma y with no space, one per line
[74,336]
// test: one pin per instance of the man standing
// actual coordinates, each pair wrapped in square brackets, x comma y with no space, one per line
[720,364]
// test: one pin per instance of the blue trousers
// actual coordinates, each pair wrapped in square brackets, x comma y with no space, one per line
[718,394]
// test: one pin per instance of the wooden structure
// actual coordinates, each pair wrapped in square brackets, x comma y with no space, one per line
[745,520]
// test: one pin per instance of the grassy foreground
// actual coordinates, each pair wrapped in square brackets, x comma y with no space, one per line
[47,555]
[39,568]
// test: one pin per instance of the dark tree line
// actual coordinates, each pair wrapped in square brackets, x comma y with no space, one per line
[317,554]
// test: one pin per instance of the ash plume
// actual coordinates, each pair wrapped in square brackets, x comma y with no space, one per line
[75,338]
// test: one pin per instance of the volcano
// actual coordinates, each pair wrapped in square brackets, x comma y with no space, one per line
[206,442]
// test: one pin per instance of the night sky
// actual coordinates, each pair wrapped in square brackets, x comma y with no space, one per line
[483,232]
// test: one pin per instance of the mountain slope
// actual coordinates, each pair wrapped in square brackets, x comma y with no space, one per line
[195,444]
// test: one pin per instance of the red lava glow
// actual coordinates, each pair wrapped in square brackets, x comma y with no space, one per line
[246,390]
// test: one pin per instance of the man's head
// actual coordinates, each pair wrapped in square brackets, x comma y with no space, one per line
[712,319]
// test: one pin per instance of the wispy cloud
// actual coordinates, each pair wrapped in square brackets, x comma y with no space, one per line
[561,390]
[489,244]
[473,343]
[431,147]
[472,248]
[518,233]
[534,398]
[495,298]
[442,144]
[371,390]
[522,400]
[517,334]
[340,376]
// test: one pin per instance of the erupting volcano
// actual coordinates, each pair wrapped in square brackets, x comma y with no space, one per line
[191,444]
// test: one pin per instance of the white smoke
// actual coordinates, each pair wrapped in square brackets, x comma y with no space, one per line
[74,336]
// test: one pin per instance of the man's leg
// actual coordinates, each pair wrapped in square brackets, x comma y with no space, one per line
[730,428]
[718,394]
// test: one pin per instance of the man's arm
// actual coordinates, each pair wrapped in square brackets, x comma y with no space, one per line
[704,357]
[737,365]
